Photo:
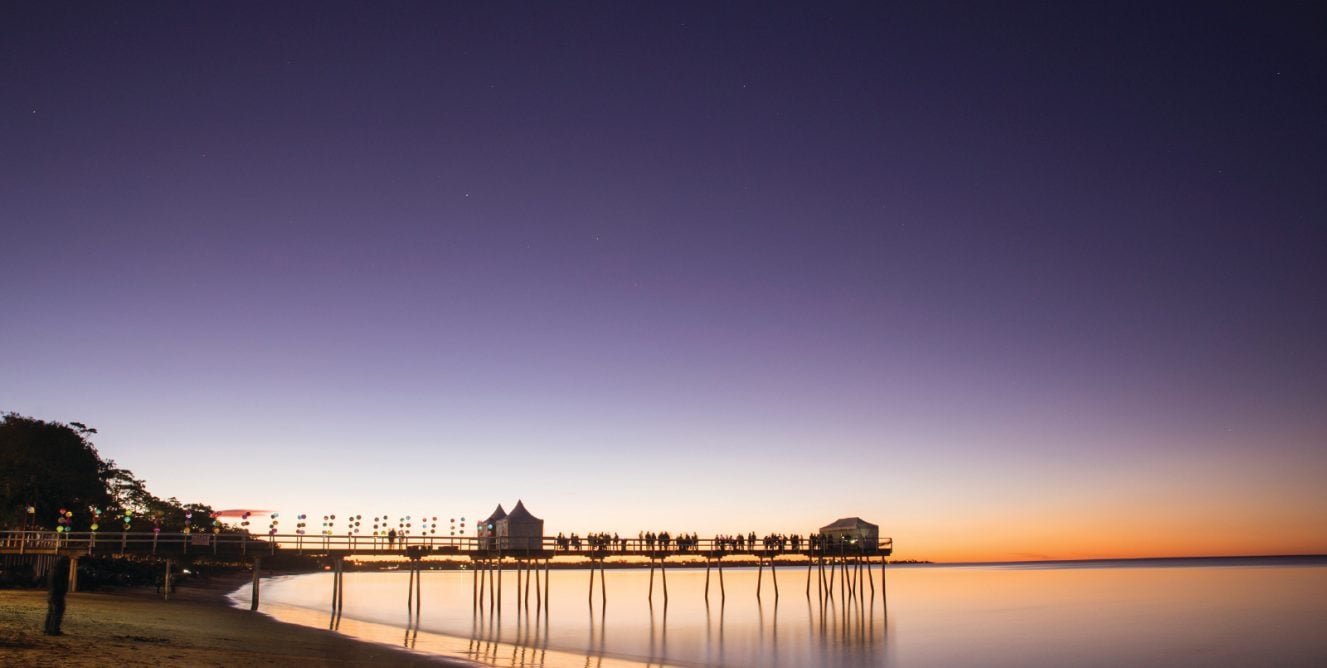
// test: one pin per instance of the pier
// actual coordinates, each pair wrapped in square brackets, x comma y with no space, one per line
[831,564]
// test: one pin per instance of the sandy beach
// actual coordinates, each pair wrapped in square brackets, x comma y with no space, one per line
[197,627]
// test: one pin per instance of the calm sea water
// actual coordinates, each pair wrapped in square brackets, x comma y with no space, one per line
[1136,613]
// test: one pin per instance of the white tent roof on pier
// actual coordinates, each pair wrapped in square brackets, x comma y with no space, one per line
[853,530]
[849,524]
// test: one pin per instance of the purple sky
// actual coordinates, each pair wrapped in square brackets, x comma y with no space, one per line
[962,269]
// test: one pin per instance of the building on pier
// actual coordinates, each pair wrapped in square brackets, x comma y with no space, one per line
[852,531]
[520,530]
[487,529]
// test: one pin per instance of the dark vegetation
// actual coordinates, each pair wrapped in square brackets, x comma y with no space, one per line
[50,467]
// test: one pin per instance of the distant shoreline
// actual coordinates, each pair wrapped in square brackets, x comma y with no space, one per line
[427,564]
[1290,559]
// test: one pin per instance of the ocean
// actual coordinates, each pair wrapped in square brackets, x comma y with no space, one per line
[1169,612]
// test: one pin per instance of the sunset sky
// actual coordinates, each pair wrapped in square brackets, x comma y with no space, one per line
[1013,281]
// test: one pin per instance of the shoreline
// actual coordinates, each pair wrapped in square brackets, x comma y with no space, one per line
[199,626]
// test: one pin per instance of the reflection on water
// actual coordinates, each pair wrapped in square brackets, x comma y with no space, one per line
[1150,614]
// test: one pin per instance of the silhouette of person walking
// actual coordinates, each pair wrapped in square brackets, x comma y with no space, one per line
[57,585]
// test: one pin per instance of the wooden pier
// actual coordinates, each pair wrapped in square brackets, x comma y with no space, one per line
[833,564]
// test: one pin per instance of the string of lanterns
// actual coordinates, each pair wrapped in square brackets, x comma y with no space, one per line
[380,524]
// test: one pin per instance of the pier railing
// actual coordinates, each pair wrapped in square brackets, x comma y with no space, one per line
[594,547]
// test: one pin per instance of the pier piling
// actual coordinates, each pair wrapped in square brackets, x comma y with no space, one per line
[253,593]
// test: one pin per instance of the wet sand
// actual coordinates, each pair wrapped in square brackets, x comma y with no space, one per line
[197,627]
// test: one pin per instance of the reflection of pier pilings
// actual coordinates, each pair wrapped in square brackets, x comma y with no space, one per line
[845,588]
[844,616]
[487,589]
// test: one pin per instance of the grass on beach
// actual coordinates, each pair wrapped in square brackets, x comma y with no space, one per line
[195,628]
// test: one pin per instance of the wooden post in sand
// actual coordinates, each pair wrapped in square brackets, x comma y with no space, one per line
[257,568]
[73,574]
[165,582]
[340,584]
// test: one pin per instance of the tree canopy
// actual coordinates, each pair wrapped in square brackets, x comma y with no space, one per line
[49,466]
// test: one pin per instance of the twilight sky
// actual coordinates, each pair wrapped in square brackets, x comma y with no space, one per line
[1012,281]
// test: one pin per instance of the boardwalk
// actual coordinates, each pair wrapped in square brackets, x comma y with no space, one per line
[240,545]
[488,557]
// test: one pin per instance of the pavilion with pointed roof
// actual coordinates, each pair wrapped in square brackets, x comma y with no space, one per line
[520,530]
[488,528]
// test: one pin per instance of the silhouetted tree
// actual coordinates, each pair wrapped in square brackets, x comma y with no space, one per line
[48,465]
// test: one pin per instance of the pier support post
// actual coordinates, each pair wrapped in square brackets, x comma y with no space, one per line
[849,578]
[340,583]
[723,593]
[73,574]
[419,588]
[546,599]
[589,597]
[760,576]
[843,579]
[253,594]
[820,581]
[829,580]
[165,582]
[883,597]
[526,564]
[707,579]
[516,570]
[651,595]
[663,575]
[774,577]
[478,585]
